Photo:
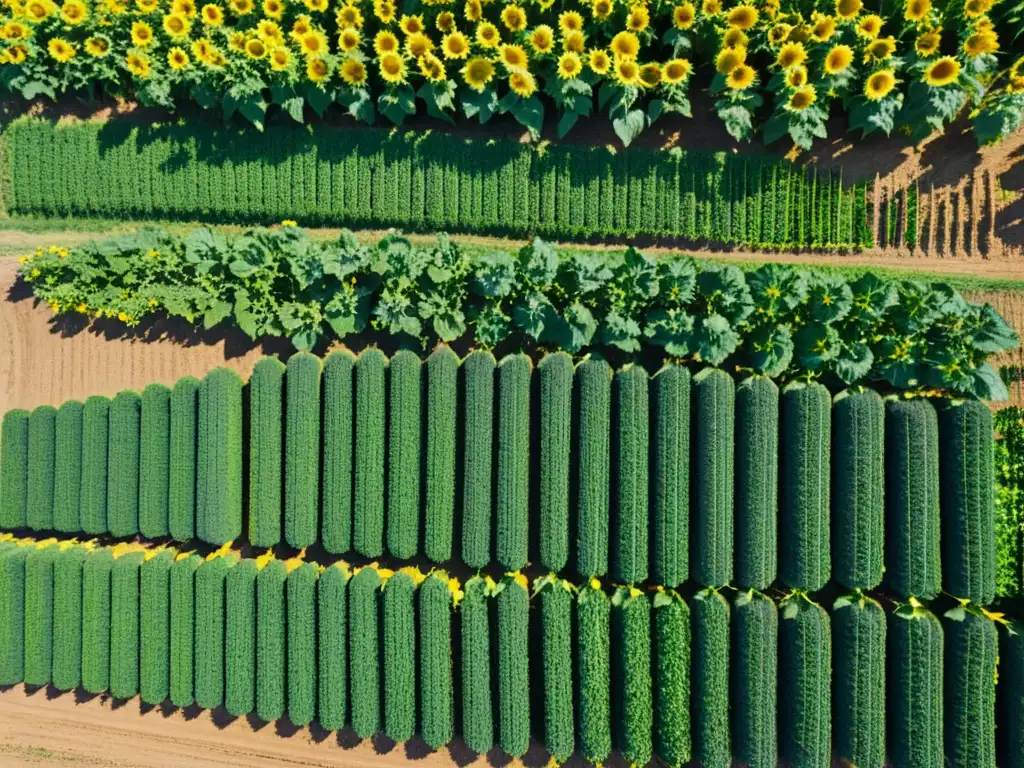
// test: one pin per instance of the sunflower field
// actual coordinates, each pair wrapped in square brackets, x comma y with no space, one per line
[914,68]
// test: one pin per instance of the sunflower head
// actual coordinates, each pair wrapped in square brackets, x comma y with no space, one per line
[39,10]
[313,43]
[625,45]
[916,10]
[684,15]
[487,35]
[711,7]
[385,42]
[650,75]
[599,61]
[676,70]
[455,45]
[477,73]
[975,8]
[742,16]
[212,15]
[473,10]
[733,37]
[870,26]
[349,39]
[838,59]
[74,12]
[242,7]
[627,72]
[176,26]
[273,9]
[569,66]
[601,9]
[985,41]
[445,21]
[777,34]
[575,42]
[385,11]
[410,25]
[316,6]
[254,49]
[730,58]
[432,68]
[60,49]
[513,57]
[880,84]
[138,64]
[144,6]
[418,44]
[353,72]
[280,58]
[177,59]
[522,84]
[514,18]
[796,77]
[142,34]
[542,39]
[823,29]
[848,9]
[880,49]
[638,19]
[791,55]
[942,72]
[392,68]
[801,98]
[570,21]
[741,77]
[928,43]
[317,70]
[98,46]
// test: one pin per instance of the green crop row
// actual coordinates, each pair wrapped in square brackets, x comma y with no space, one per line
[658,478]
[351,177]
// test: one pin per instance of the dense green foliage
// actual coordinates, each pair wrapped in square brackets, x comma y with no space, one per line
[67,479]
[154,461]
[1008,457]
[95,465]
[915,684]
[302,450]
[96,621]
[124,625]
[271,628]
[123,464]
[368,476]
[1010,694]
[477,700]
[467,185]
[209,625]
[970,685]
[671,650]
[512,488]
[184,437]
[478,403]
[757,482]
[266,451]
[332,647]
[754,659]
[42,436]
[711,533]
[155,626]
[398,629]
[336,511]
[709,676]
[219,458]
[442,374]
[67,618]
[630,535]
[39,617]
[555,377]
[14,469]
[364,653]
[556,606]
[805,683]
[858,630]
[240,639]
[183,621]
[912,554]
[513,665]
[301,643]
[632,682]
[670,475]
[593,396]
[436,672]
[858,488]
[12,611]
[405,384]
[593,672]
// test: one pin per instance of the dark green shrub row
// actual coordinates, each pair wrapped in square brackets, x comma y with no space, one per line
[1008,456]
[194,173]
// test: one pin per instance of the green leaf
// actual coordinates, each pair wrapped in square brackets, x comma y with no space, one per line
[630,125]
[530,114]
[480,105]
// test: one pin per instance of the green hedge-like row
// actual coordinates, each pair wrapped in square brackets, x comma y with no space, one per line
[644,673]
[434,181]
[673,477]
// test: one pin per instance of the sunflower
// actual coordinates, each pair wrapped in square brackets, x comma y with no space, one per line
[212,15]
[349,40]
[838,59]
[350,16]
[474,10]
[353,72]
[734,37]
[879,84]
[730,58]
[880,49]
[638,19]
[684,15]
[796,77]
[742,16]
[73,12]
[255,48]
[186,8]
[14,30]
[514,18]
[316,6]
[418,45]
[916,10]
[975,8]
[445,21]
[711,7]
[273,9]
[870,26]
[599,61]
[269,32]
[741,77]
[303,26]
[791,55]
[625,45]
[823,29]
[574,42]
[177,59]
[392,68]
[601,9]
[478,73]
[570,21]
[314,43]
[241,7]
[928,43]
[410,25]
[176,26]
[61,50]
[236,42]
[147,6]
[542,39]
[513,57]
[627,72]
[142,34]
[138,64]
[280,58]
[522,84]
[385,42]
[487,36]
[98,46]
[432,68]
[455,45]
[801,98]
[848,9]
[16,54]
[317,70]
[569,66]
[778,34]
[650,75]
[676,70]
[981,42]
[39,10]
[384,10]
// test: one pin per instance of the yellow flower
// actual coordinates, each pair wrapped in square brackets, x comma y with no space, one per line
[838,59]
[392,68]
[98,46]
[142,34]
[625,45]
[138,64]
[410,25]
[676,70]
[236,42]
[82,308]
[177,59]
[880,49]
[14,30]
[522,84]
[569,66]
[317,70]
[823,29]
[147,6]
[280,58]
[879,84]
[742,16]
[601,9]
[942,72]
[418,44]
[487,36]
[928,43]
[242,7]
[575,42]
[60,49]
[599,61]
[627,72]
[570,21]
[801,98]
[870,26]
[638,19]
[683,15]
[848,9]
[203,50]
[730,58]
[514,18]
[778,34]
[353,72]
[650,75]
[741,77]
[791,55]
[73,12]
[711,7]
[432,68]
[314,44]
[316,6]
[473,10]
[176,26]
[255,48]
[384,10]
[916,10]
[350,16]
[445,21]
[975,8]
[542,39]
[273,9]
[734,37]
[39,10]
[186,8]
[349,40]
[303,25]
[212,15]
[477,73]
[796,77]
[981,42]
[513,57]
[385,42]
[269,32]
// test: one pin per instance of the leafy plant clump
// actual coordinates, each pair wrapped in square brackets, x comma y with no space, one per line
[775,321]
